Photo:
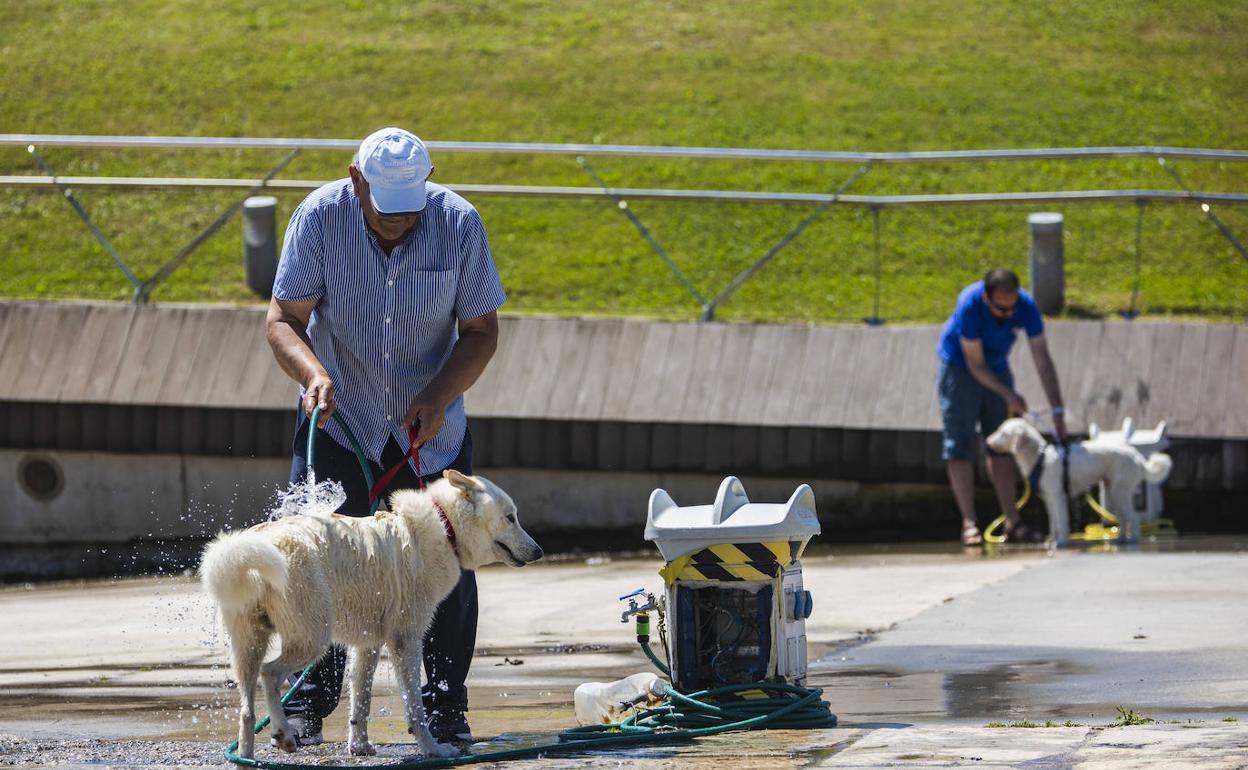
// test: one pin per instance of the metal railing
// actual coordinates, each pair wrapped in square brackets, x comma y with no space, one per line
[866,162]
[640,151]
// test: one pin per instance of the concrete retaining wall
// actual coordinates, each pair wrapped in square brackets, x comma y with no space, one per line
[131,513]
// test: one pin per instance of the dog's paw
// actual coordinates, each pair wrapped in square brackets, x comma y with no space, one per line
[362,749]
[285,741]
[442,750]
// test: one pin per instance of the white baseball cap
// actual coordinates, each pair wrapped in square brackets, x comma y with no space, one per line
[395,163]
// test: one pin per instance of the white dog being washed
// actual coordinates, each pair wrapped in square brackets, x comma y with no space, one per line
[363,582]
[1118,464]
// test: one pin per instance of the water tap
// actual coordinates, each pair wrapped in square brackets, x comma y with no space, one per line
[633,608]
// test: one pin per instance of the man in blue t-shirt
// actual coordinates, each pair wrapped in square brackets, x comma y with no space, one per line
[976,386]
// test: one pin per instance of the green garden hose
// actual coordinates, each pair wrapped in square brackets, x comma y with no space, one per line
[658,663]
[685,717]
[355,445]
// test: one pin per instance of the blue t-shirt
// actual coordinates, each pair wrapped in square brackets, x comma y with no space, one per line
[973,320]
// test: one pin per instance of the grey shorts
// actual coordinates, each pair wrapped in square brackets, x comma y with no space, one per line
[963,403]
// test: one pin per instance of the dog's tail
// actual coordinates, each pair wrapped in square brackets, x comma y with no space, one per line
[1157,467]
[238,567]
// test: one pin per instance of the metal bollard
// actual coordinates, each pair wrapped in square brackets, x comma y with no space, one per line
[260,243]
[1048,276]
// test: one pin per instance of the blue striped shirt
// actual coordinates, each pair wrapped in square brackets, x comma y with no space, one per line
[385,326]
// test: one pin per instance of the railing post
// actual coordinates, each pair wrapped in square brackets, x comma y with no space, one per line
[1131,312]
[260,243]
[875,319]
[1047,262]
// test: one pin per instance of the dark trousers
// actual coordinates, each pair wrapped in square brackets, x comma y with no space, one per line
[449,644]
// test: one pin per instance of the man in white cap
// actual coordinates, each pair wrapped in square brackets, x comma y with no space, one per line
[384,310]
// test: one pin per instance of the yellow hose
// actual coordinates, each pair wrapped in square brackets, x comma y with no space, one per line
[1106,529]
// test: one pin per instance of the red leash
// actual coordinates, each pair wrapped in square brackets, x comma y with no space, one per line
[413,454]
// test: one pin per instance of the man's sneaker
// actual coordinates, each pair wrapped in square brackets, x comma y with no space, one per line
[307,730]
[449,725]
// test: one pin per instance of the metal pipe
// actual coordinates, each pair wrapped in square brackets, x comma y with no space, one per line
[1131,312]
[156,182]
[720,153]
[724,196]
[875,319]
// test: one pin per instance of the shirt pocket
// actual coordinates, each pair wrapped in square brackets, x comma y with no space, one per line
[433,295]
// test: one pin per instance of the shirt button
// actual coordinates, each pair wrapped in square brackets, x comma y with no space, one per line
[388,418]
[389,283]
[387,390]
[387,319]
[385,355]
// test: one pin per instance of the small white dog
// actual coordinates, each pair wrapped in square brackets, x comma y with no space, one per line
[363,582]
[1118,464]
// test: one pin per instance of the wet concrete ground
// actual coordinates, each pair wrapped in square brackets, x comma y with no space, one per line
[918,650]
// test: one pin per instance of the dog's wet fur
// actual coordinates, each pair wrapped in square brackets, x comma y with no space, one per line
[1117,463]
[361,582]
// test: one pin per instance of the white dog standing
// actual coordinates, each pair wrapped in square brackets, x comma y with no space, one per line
[363,582]
[1118,464]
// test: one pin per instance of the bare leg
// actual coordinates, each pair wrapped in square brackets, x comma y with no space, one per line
[1001,469]
[407,661]
[361,664]
[962,482]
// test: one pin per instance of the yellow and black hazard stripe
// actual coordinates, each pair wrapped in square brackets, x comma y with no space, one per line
[728,562]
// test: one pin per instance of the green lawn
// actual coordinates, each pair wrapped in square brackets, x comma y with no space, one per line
[886,75]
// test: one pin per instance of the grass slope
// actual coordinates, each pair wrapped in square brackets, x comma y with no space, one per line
[887,75]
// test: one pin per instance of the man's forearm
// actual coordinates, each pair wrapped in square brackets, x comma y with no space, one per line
[1048,380]
[292,349]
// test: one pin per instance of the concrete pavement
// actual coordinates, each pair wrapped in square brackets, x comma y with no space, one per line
[918,652]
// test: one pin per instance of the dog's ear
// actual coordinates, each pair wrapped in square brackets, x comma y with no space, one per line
[1028,437]
[1009,435]
[465,484]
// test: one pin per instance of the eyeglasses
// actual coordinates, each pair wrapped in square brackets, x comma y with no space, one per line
[1003,309]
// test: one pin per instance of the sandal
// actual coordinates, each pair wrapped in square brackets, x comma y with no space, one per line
[1022,534]
[971,536]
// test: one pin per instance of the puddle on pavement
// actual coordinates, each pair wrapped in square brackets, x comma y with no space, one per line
[526,715]
[875,698]
[873,695]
